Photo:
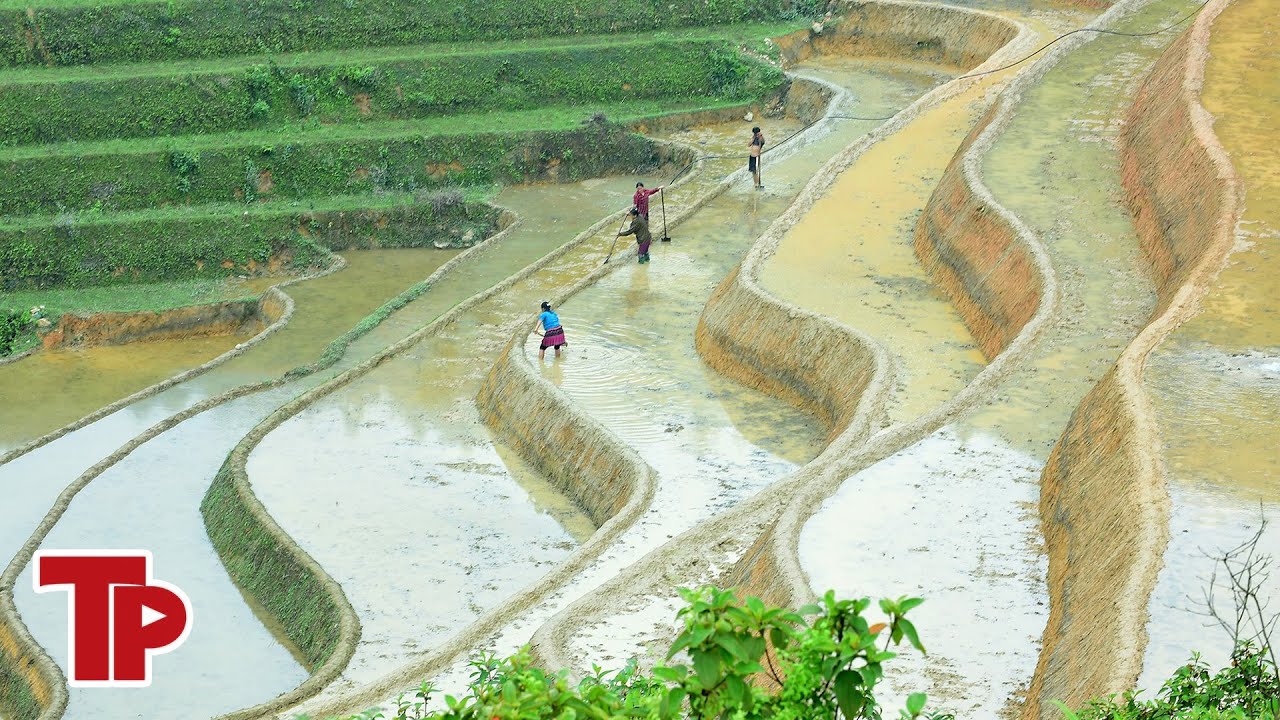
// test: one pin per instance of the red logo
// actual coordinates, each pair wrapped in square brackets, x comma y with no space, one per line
[118,617]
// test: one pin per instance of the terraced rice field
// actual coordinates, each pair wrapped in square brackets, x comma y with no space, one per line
[998,331]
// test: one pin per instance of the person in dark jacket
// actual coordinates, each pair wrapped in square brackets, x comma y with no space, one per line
[641,199]
[755,149]
[640,228]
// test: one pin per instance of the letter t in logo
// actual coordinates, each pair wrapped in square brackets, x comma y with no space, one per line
[119,617]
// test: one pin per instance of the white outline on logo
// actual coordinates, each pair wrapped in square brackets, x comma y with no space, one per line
[70,590]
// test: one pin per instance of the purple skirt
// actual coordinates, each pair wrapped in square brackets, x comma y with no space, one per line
[554,338]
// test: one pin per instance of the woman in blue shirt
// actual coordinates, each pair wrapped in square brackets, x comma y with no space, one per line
[552,333]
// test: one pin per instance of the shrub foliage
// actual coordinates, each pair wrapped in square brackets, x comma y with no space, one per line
[733,659]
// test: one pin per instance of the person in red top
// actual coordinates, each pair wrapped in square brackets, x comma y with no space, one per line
[641,199]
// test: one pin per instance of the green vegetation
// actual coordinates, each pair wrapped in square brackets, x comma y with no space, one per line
[1247,689]
[271,94]
[58,32]
[15,325]
[823,661]
[16,699]
[342,160]
[182,141]
[157,245]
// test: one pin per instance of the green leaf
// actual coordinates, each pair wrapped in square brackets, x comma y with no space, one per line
[849,694]
[909,630]
[908,604]
[1066,711]
[735,648]
[915,703]
[707,665]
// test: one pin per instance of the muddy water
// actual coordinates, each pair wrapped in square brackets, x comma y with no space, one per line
[632,365]
[634,330]
[1216,381]
[230,659]
[458,522]
[57,388]
[182,461]
[712,442]
[851,258]
[325,308]
[962,503]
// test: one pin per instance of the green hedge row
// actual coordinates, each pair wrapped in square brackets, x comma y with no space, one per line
[134,31]
[106,251]
[268,96]
[176,176]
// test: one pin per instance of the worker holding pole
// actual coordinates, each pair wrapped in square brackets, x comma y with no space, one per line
[641,199]
[640,229]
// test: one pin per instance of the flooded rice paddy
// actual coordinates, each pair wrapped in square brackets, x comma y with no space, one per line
[396,486]
[963,502]
[1216,381]
[631,364]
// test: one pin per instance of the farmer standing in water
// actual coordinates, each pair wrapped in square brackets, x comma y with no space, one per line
[640,229]
[552,333]
[641,199]
[755,148]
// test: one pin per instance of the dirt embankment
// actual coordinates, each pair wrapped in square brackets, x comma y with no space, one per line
[918,33]
[117,328]
[583,460]
[974,256]
[1104,505]
[24,689]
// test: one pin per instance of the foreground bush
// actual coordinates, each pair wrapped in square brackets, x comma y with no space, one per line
[1248,688]
[822,661]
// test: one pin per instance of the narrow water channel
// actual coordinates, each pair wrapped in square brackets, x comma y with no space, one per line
[957,512]
[1216,380]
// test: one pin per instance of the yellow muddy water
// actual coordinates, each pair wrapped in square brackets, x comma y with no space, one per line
[50,389]
[1216,381]
[963,501]
[56,388]
[851,257]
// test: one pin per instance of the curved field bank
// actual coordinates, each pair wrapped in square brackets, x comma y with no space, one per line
[974,256]
[942,36]
[1104,504]
[582,459]
[592,456]
[1169,135]
[26,686]
[854,389]
[829,381]
[746,332]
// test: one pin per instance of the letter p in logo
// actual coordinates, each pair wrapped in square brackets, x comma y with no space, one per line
[118,616]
